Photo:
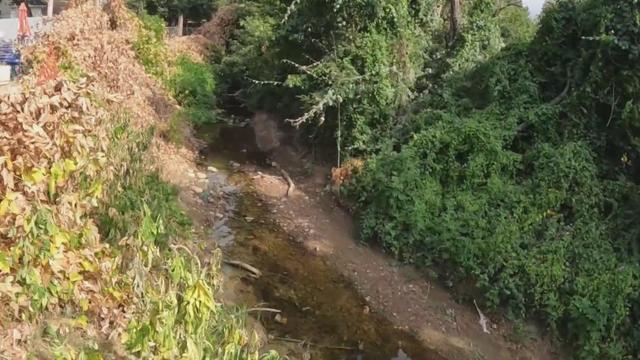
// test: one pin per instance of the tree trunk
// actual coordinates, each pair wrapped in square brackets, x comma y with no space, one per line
[50,8]
[454,20]
[180,24]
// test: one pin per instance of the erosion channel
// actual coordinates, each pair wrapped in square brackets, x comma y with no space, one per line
[308,309]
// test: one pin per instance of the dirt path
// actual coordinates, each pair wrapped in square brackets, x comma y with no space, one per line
[398,292]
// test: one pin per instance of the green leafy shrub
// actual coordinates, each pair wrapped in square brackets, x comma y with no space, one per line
[306,61]
[177,315]
[513,187]
[193,85]
[149,45]
[178,128]
[507,156]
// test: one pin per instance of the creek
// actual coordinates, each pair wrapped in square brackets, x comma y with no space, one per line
[322,314]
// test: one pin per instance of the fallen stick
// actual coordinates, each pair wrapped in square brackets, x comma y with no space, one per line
[285,175]
[292,186]
[334,347]
[331,347]
[244,266]
[265,310]
[483,319]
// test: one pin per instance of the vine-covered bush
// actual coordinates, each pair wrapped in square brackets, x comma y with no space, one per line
[508,156]
[515,174]
[193,86]
[149,44]
[308,59]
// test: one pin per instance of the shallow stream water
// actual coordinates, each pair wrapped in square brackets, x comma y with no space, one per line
[323,316]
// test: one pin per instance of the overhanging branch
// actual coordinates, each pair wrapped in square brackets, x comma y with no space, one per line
[498,11]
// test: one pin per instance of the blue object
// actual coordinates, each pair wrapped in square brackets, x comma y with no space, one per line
[7,53]
[10,57]
[13,59]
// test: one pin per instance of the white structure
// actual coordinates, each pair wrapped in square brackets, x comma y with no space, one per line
[8,8]
[39,10]
[9,27]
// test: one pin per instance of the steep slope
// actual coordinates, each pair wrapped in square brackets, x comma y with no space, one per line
[96,257]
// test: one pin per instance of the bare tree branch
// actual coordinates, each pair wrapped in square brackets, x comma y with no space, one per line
[498,11]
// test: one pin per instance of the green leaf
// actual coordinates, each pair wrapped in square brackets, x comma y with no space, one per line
[5,263]
[34,176]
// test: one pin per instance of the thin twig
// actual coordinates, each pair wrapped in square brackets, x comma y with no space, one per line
[261,309]
[303,68]
[265,82]
[498,11]
[318,108]
[613,104]
[332,347]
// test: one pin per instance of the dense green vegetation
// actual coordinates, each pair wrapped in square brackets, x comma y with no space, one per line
[149,45]
[503,149]
[192,84]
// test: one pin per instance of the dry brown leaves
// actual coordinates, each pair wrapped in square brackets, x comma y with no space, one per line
[48,70]
[218,30]
[51,138]
[194,46]
[342,174]
[100,43]
[39,127]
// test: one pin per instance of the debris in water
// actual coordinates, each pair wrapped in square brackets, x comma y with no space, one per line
[212,169]
[303,342]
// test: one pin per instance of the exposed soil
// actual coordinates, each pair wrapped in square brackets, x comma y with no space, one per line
[397,292]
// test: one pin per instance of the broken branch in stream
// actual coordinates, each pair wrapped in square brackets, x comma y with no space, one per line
[244,266]
[331,347]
